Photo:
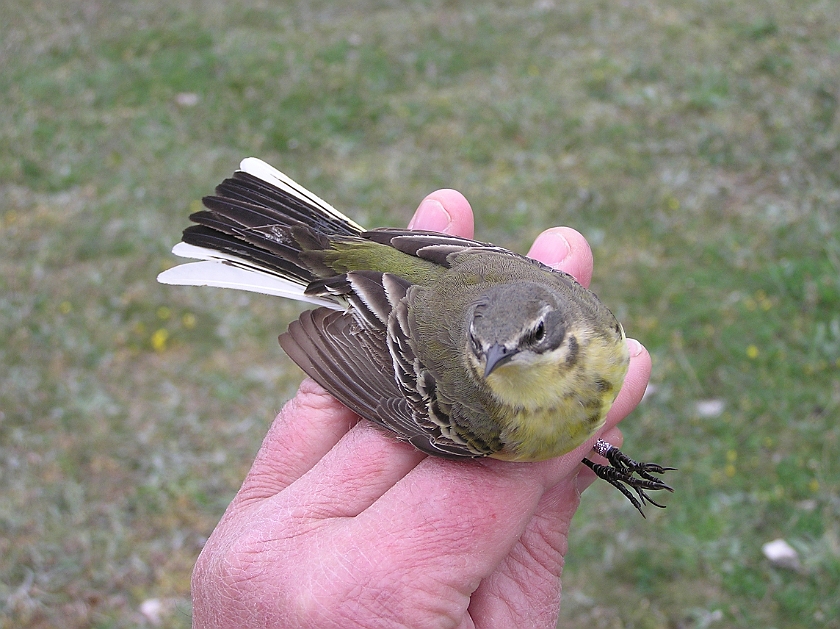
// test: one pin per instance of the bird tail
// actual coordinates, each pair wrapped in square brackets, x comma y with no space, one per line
[254,233]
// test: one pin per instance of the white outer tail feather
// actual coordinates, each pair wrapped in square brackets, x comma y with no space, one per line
[224,270]
[223,275]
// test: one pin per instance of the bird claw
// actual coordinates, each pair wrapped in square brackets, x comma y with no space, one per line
[625,474]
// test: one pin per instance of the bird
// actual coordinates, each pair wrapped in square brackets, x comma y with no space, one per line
[461,348]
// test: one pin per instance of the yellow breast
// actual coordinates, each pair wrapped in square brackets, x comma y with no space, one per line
[548,406]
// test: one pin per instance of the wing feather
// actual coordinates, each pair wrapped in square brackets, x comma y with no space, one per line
[432,246]
[365,359]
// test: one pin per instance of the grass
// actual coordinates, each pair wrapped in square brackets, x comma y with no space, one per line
[694,144]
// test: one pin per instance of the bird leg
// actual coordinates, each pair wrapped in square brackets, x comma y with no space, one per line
[624,474]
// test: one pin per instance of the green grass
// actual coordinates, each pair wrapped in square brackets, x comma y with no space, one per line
[694,144]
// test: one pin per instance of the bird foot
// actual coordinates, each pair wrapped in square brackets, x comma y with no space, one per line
[625,474]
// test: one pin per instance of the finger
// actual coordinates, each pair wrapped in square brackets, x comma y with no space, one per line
[364,464]
[564,249]
[309,425]
[444,211]
[635,383]
[632,390]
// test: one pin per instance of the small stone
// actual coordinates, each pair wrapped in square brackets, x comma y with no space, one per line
[781,554]
[152,610]
[710,408]
[187,99]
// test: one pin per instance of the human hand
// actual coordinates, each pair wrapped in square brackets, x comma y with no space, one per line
[338,524]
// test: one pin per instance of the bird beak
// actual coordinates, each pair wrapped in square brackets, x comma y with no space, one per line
[496,356]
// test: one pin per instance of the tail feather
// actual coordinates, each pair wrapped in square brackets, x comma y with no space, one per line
[211,273]
[231,226]
[251,209]
[253,235]
[275,178]
[244,192]
[260,252]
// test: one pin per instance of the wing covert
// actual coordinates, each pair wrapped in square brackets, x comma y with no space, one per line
[364,357]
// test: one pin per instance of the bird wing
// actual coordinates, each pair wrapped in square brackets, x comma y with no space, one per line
[363,356]
[435,247]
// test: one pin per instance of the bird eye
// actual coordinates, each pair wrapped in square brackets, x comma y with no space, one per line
[539,332]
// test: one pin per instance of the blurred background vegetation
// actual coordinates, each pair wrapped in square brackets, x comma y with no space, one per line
[694,143]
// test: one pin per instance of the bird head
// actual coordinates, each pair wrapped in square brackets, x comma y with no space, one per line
[514,324]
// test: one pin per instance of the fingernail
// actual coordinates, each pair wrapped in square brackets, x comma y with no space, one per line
[634,347]
[582,481]
[431,216]
[551,247]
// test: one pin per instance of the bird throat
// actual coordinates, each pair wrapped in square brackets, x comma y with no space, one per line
[529,384]
[545,403]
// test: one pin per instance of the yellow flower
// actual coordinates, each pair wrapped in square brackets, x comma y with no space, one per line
[159,338]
